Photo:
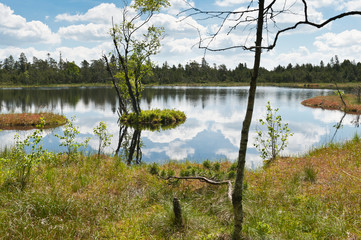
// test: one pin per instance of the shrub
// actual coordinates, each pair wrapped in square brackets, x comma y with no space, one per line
[18,164]
[68,139]
[272,141]
[103,135]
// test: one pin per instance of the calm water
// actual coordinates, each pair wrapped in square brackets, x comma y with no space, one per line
[212,129]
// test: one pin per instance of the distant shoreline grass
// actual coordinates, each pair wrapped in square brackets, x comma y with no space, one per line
[207,84]
[17,121]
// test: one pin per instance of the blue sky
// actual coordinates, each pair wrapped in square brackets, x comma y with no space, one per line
[78,29]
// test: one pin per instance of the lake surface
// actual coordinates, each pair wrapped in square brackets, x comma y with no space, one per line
[213,126]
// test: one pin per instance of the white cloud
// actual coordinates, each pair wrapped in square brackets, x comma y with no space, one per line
[80,53]
[345,39]
[102,13]
[15,29]
[86,33]
[174,151]
[228,3]
[352,5]
[181,46]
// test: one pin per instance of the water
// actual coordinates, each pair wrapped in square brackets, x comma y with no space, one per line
[213,126]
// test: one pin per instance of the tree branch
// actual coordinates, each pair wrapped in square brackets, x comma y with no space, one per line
[206,180]
[306,22]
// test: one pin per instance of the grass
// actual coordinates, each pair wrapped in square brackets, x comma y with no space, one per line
[334,102]
[155,119]
[30,120]
[315,196]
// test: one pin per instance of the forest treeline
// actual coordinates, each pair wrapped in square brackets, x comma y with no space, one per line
[51,71]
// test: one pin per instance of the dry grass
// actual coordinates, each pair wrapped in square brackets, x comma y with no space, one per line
[30,120]
[334,103]
[312,197]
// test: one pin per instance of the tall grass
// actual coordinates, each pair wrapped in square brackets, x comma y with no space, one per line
[104,198]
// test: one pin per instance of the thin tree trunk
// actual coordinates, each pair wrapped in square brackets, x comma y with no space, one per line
[238,186]
[122,102]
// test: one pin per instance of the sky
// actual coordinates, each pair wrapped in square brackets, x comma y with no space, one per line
[79,30]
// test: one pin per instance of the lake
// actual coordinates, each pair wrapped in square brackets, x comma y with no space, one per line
[211,131]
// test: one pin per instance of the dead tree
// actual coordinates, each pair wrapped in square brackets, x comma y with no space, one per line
[257,18]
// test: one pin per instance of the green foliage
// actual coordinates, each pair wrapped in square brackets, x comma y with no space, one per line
[339,93]
[103,135]
[272,141]
[68,140]
[17,165]
[132,55]
[263,229]
[150,6]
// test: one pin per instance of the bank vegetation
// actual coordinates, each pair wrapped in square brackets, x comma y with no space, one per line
[313,196]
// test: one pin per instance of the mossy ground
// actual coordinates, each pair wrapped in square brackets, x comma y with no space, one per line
[30,120]
[316,196]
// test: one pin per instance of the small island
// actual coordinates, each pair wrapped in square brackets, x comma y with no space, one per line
[25,121]
[154,119]
[334,102]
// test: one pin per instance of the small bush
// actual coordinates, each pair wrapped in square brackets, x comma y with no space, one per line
[216,166]
[310,174]
[231,174]
[154,169]
[207,164]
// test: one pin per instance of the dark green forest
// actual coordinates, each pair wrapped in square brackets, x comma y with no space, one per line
[50,71]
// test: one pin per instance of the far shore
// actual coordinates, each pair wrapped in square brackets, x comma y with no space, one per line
[205,84]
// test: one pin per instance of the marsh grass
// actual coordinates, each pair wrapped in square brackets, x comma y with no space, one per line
[30,120]
[104,198]
[334,102]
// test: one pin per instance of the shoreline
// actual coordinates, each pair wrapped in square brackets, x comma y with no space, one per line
[213,84]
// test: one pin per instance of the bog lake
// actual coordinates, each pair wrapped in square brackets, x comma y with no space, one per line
[212,129]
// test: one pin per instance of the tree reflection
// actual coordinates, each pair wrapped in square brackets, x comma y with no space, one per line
[337,126]
[129,145]
[356,121]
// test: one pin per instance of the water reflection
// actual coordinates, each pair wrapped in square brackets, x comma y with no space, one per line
[213,126]
[129,145]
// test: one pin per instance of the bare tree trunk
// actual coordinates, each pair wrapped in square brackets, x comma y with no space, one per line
[178,220]
[238,186]
[122,102]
